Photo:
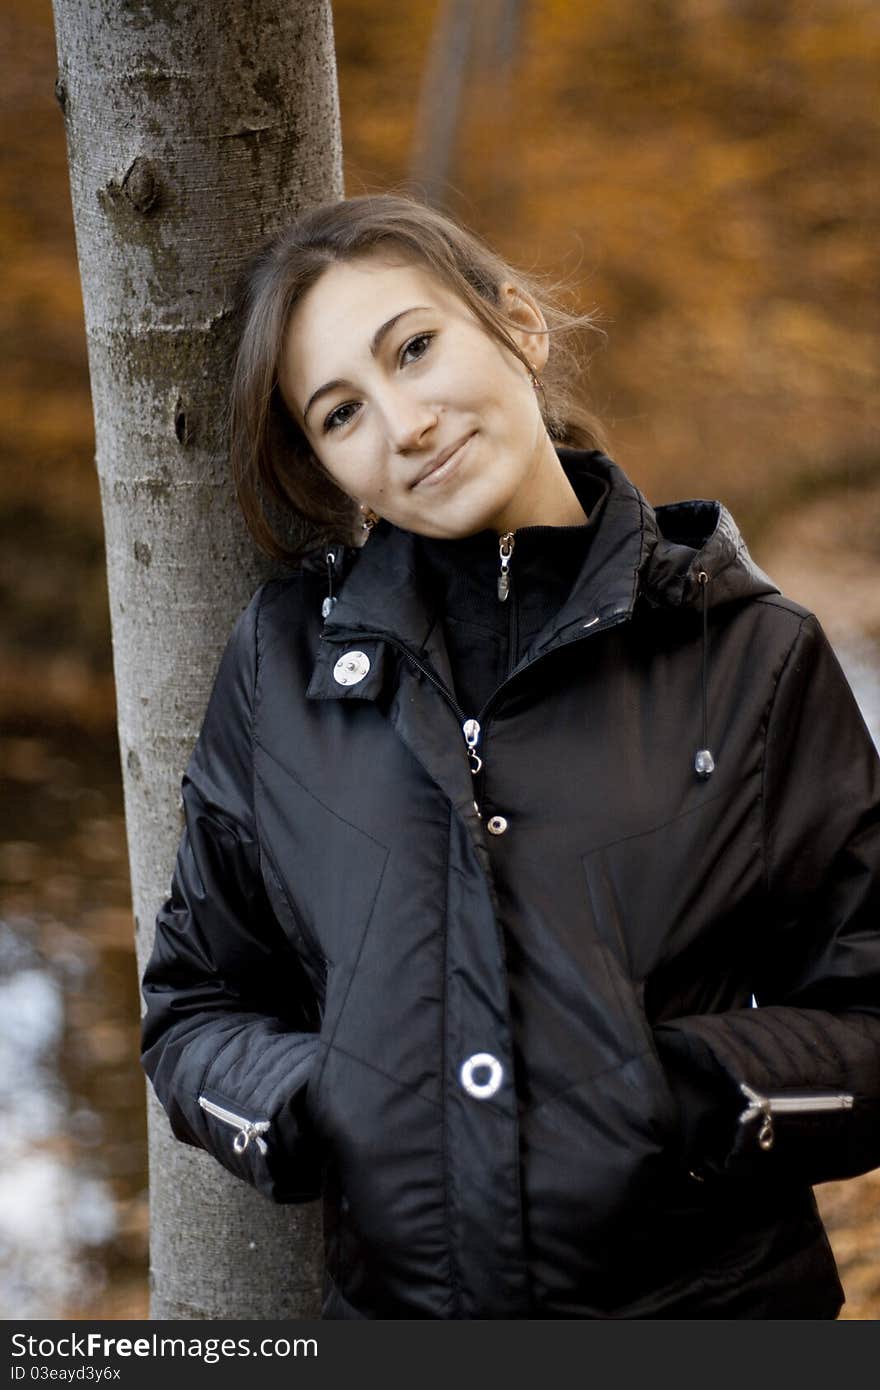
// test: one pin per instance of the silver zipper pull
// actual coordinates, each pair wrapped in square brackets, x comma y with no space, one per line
[794,1103]
[249,1132]
[247,1129]
[765,1133]
[471,730]
[505,551]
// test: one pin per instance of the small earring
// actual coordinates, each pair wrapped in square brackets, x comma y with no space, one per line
[534,378]
[368,520]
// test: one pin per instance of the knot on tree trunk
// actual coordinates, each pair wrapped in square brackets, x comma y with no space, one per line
[184,423]
[141,185]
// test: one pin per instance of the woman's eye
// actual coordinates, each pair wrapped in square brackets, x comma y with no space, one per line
[419,345]
[337,418]
[410,352]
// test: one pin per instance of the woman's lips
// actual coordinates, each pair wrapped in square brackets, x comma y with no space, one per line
[446,469]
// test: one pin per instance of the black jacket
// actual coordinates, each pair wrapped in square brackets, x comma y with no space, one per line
[509,1041]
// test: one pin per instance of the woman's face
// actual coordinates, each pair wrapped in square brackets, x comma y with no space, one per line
[413,409]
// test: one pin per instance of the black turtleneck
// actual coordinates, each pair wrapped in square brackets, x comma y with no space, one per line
[485,637]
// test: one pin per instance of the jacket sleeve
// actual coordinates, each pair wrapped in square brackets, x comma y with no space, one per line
[800,1073]
[231,1019]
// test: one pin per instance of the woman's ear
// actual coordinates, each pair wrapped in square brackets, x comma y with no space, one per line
[531,327]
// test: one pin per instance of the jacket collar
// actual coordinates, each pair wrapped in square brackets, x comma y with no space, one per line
[382,593]
[636,551]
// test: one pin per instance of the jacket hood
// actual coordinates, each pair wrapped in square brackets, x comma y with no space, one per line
[687,538]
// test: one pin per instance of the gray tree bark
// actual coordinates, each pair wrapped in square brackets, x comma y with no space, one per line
[193,131]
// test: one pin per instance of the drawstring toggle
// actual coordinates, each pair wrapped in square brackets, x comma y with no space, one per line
[329,602]
[704,763]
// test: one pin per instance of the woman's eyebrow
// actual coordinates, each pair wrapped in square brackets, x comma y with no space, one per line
[378,337]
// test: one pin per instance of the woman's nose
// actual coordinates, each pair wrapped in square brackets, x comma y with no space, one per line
[407,418]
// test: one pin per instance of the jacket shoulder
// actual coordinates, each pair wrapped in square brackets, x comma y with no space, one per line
[791,620]
[785,625]
[276,609]
[293,598]
[786,605]
[787,614]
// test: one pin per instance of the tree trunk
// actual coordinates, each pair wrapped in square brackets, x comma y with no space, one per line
[193,132]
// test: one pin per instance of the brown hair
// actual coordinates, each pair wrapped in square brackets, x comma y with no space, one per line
[290,503]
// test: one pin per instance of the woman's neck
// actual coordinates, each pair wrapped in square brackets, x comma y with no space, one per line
[547,498]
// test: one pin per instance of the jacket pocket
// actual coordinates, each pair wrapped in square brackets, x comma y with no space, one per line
[614,926]
[606,879]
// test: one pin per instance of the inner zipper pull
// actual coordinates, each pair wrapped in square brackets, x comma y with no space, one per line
[471,730]
[505,551]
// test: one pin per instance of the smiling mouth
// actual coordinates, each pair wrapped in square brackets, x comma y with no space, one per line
[437,472]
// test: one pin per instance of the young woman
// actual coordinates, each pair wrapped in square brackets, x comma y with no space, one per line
[528,907]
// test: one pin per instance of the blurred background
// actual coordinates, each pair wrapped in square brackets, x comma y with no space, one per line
[701,172]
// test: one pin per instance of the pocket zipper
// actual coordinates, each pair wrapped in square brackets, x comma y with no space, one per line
[247,1129]
[803,1104]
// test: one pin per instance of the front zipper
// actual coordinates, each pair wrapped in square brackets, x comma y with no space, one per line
[472,729]
[469,727]
[806,1103]
[247,1129]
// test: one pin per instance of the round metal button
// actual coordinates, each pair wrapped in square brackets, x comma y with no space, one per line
[479,1086]
[351,668]
[496,825]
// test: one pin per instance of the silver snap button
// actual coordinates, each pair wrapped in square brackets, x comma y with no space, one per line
[496,825]
[351,668]
[472,1069]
